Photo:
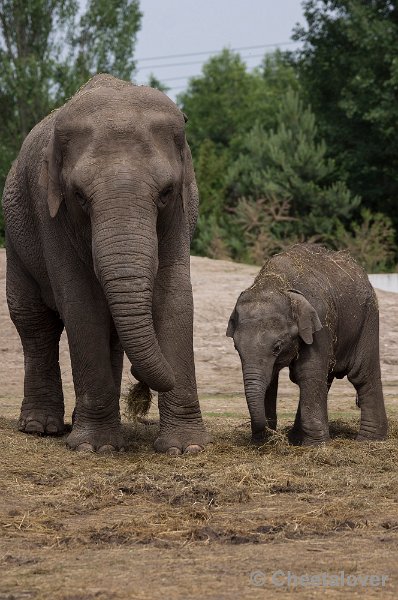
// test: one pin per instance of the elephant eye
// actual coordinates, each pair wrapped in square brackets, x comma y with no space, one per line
[165,195]
[82,201]
[277,348]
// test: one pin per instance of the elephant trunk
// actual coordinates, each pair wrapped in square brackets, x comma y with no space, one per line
[256,385]
[125,254]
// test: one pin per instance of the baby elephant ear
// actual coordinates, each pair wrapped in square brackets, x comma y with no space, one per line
[49,177]
[231,324]
[307,318]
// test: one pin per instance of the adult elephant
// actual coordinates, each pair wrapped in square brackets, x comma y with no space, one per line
[99,207]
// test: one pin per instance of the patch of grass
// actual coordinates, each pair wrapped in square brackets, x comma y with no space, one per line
[232,492]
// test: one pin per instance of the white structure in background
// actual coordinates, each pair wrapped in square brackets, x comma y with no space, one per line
[385,281]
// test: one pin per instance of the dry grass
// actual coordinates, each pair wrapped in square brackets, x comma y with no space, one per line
[234,495]
[137,401]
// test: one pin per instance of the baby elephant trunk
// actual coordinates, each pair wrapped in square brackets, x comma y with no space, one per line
[256,385]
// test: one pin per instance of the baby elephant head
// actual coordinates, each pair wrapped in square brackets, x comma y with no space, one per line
[267,327]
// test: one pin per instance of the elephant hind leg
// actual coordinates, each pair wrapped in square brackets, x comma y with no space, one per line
[366,378]
[40,328]
[371,402]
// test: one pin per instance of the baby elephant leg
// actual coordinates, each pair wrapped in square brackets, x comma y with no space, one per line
[366,378]
[311,426]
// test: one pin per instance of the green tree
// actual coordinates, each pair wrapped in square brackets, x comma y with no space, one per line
[348,68]
[370,241]
[28,50]
[291,163]
[106,39]
[285,187]
[210,167]
[47,52]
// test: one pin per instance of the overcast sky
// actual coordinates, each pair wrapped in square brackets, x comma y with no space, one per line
[182,27]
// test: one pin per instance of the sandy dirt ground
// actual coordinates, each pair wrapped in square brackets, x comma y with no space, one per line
[101,548]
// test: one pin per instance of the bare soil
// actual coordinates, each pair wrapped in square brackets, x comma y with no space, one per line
[216,525]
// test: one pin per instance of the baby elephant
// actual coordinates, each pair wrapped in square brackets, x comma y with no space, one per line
[315,311]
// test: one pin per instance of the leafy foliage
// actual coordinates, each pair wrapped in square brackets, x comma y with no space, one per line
[306,137]
[107,37]
[280,189]
[370,241]
[266,225]
[291,162]
[349,71]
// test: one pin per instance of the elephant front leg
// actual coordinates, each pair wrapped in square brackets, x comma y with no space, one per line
[296,432]
[42,410]
[96,375]
[181,425]
[313,411]
[311,425]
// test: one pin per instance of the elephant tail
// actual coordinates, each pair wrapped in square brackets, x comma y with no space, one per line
[138,401]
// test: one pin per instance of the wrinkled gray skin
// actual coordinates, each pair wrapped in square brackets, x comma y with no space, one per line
[315,311]
[99,209]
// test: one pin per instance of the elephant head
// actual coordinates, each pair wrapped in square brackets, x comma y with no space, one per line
[118,168]
[267,327]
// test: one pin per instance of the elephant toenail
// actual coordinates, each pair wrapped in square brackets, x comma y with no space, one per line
[34,427]
[174,451]
[193,449]
[85,447]
[51,428]
[107,449]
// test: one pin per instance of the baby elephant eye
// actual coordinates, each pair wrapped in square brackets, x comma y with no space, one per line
[277,348]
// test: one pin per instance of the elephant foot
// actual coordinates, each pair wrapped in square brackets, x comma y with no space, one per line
[371,436]
[102,441]
[297,438]
[176,443]
[316,441]
[41,421]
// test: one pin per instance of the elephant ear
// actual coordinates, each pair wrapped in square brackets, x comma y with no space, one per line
[307,318]
[231,324]
[190,194]
[50,176]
